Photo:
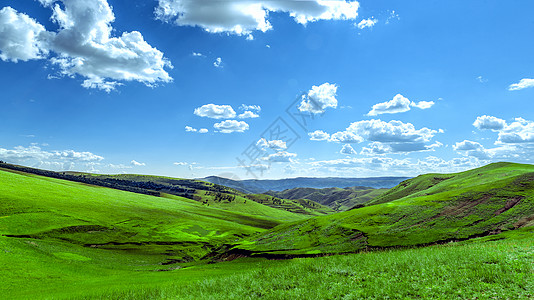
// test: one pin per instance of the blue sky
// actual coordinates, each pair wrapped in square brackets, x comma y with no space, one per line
[385,87]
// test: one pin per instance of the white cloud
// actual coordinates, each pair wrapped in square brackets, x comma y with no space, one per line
[243,17]
[191,129]
[276,145]
[230,126]
[319,135]
[218,62]
[245,107]
[180,163]
[347,149]
[57,159]
[423,104]
[522,84]
[390,132]
[519,131]
[377,148]
[281,156]
[21,37]
[198,54]
[248,114]
[367,23]
[467,145]
[489,122]
[398,104]
[319,98]
[137,164]
[345,137]
[215,111]
[84,45]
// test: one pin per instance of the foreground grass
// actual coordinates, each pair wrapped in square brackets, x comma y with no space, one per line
[501,269]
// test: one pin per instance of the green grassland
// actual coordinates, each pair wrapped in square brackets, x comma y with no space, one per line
[427,209]
[64,239]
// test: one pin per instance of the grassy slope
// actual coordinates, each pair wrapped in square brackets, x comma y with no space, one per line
[338,199]
[427,209]
[43,207]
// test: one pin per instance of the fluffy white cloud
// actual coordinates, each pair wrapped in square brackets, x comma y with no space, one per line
[243,17]
[21,37]
[180,163]
[203,130]
[218,62]
[198,54]
[390,132]
[489,122]
[84,45]
[137,164]
[367,23]
[347,149]
[377,148]
[522,84]
[319,135]
[346,137]
[519,131]
[398,104]
[245,107]
[276,145]
[248,114]
[319,98]
[57,159]
[230,126]
[281,156]
[215,111]
[467,145]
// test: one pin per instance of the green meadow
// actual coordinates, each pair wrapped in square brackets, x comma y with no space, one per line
[468,235]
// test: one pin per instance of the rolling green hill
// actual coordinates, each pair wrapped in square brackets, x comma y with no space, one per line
[432,208]
[338,199]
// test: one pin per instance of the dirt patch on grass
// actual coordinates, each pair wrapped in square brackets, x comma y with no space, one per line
[509,204]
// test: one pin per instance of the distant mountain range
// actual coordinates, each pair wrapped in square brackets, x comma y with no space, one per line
[255,186]
[338,199]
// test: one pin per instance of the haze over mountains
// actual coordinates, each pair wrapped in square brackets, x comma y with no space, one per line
[263,185]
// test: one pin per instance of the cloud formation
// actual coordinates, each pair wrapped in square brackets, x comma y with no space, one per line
[57,159]
[229,126]
[191,129]
[522,84]
[279,157]
[517,132]
[319,98]
[367,23]
[277,145]
[244,17]
[347,149]
[215,111]
[83,45]
[21,37]
[318,135]
[137,164]
[398,104]
[248,114]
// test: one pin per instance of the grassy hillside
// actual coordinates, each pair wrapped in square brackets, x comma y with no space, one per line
[338,199]
[427,209]
[63,239]
[48,208]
